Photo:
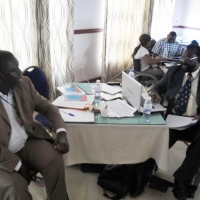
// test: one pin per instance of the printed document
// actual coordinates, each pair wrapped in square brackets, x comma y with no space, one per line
[72,93]
[179,122]
[108,97]
[119,108]
[61,102]
[66,89]
[72,115]
[110,89]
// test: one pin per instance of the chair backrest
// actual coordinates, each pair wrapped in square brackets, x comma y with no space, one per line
[39,80]
[137,65]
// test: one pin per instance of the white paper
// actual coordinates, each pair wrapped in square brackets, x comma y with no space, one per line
[119,108]
[110,89]
[108,97]
[79,115]
[61,102]
[169,64]
[179,122]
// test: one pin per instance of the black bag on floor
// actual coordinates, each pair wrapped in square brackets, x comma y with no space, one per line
[117,179]
[92,168]
[160,184]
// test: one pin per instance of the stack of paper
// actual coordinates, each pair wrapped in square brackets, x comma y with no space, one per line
[179,122]
[108,97]
[110,89]
[61,102]
[72,93]
[71,115]
[119,108]
[109,92]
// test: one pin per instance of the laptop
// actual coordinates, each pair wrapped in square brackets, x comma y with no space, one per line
[132,91]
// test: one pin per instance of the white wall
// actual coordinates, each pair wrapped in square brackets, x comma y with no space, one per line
[179,6]
[88,14]
[186,13]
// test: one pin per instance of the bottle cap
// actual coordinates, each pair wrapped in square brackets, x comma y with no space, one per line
[148,98]
[131,70]
[97,81]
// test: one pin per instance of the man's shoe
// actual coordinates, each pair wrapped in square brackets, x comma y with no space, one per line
[180,190]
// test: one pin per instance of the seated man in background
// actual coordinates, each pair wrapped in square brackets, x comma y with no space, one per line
[167,47]
[181,84]
[24,143]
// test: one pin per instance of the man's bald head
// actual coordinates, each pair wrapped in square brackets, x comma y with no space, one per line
[10,74]
[6,58]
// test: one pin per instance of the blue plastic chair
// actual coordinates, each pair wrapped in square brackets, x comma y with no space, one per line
[39,80]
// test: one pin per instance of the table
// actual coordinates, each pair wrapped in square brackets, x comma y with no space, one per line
[118,141]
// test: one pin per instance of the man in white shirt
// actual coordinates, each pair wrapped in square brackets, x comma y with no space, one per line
[24,143]
[181,86]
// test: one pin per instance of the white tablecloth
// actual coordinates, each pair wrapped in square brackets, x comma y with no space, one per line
[117,144]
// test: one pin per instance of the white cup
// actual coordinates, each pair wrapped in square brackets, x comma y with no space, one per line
[104,110]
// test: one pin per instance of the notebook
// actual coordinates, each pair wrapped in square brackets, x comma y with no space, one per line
[132,92]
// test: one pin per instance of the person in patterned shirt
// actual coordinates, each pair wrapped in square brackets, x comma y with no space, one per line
[167,47]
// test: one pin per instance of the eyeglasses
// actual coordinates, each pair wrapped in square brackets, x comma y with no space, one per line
[182,58]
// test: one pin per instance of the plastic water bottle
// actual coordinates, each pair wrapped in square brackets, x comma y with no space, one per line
[131,73]
[165,53]
[97,90]
[147,108]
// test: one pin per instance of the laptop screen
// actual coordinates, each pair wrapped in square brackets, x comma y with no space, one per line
[131,90]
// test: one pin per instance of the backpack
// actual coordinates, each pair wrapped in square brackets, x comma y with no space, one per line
[117,179]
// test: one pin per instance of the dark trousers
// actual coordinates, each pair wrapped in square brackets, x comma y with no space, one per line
[39,155]
[191,163]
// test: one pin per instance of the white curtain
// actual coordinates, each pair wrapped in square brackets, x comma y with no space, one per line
[125,21]
[17,33]
[162,18]
[40,33]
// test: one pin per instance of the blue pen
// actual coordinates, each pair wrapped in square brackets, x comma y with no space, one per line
[67,113]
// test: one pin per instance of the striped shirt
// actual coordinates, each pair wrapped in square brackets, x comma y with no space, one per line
[165,49]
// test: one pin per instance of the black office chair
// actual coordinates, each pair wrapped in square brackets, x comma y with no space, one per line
[39,80]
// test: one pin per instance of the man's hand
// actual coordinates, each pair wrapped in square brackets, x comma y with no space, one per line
[155,97]
[197,117]
[61,143]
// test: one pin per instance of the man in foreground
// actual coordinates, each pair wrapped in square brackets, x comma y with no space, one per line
[24,143]
[181,84]
[167,47]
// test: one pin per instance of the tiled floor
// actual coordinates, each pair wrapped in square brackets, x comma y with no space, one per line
[83,186]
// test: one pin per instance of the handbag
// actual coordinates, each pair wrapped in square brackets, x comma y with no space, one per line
[117,179]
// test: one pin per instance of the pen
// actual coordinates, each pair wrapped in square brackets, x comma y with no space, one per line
[67,113]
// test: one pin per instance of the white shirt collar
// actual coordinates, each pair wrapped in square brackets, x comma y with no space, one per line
[194,74]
